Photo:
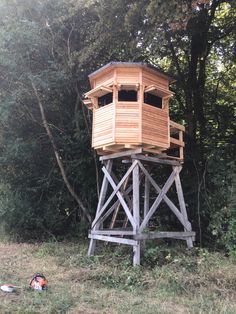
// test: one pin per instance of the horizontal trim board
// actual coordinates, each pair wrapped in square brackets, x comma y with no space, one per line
[113,239]
[164,234]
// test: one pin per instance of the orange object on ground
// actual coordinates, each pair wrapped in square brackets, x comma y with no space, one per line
[38,282]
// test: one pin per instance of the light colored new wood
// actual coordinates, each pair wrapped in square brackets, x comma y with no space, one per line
[176,126]
[103,126]
[99,91]
[155,125]
[123,125]
[152,79]
[104,79]
[176,142]
[127,122]
[158,90]
[127,76]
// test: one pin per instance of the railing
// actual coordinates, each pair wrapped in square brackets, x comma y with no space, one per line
[177,130]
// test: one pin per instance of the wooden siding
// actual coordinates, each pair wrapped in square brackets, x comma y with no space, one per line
[151,79]
[127,123]
[103,125]
[105,79]
[155,126]
[127,76]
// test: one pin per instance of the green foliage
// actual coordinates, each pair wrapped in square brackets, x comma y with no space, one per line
[57,44]
[128,279]
[223,200]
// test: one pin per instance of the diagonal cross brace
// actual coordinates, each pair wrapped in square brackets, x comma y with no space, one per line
[116,190]
[122,190]
[158,200]
[171,205]
[104,187]
[112,208]
[119,195]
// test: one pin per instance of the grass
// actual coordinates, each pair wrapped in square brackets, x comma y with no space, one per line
[171,280]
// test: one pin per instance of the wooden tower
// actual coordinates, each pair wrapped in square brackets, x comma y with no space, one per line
[132,128]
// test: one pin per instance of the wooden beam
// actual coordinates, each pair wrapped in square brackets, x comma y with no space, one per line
[98,91]
[113,239]
[121,154]
[119,232]
[119,195]
[110,210]
[177,126]
[146,197]
[158,90]
[158,200]
[183,207]
[92,244]
[116,189]
[176,142]
[117,210]
[165,234]
[136,212]
[171,205]
[156,160]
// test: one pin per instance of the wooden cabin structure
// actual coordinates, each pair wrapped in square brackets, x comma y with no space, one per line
[131,126]
[130,103]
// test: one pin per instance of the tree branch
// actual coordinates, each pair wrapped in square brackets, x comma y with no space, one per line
[56,153]
[79,99]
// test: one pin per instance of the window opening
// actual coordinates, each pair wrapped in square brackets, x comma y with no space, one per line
[127,95]
[105,99]
[153,100]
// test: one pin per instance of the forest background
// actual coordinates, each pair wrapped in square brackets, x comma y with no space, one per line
[49,175]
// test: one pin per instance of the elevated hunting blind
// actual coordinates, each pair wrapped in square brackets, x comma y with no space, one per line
[131,124]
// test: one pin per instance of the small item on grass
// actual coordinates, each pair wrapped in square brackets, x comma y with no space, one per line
[38,282]
[8,288]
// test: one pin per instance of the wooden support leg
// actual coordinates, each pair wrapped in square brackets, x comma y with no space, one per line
[92,244]
[183,210]
[146,200]
[146,197]
[136,214]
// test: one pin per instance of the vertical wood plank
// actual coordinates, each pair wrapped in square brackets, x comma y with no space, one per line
[146,200]
[183,207]
[158,200]
[141,101]
[181,149]
[103,192]
[146,197]
[136,213]
[114,100]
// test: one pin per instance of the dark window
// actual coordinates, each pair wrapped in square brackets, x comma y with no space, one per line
[127,95]
[105,99]
[153,100]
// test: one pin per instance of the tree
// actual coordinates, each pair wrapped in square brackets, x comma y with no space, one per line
[57,44]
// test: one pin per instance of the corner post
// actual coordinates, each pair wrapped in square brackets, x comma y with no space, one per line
[182,205]
[92,244]
[136,213]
